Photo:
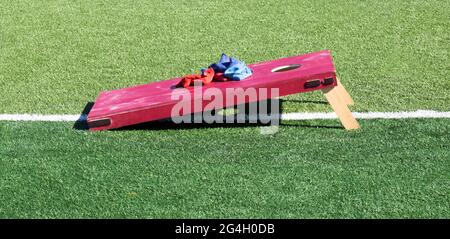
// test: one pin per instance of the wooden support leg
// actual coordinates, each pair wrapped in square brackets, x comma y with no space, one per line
[343,94]
[345,115]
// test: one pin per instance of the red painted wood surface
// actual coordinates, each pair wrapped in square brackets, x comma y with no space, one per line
[148,102]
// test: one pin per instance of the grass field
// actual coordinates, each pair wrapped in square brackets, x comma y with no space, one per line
[55,56]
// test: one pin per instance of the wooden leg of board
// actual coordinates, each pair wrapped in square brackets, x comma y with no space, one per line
[343,94]
[345,115]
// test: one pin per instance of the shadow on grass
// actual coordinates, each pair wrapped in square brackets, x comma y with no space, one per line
[81,123]
[318,102]
[308,124]
[168,125]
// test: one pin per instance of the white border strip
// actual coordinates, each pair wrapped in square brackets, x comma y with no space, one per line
[287,116]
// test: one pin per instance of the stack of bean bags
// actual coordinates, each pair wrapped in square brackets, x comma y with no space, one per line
[226,69]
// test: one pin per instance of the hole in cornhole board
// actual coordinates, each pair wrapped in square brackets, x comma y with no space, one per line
[286,68]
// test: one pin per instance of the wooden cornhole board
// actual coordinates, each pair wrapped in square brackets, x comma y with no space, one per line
[153,101]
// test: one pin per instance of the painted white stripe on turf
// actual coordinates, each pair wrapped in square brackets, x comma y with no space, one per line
[369,115]
[286,116]
[36,117]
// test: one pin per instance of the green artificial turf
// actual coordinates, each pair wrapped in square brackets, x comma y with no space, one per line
[389,169]
[55,56]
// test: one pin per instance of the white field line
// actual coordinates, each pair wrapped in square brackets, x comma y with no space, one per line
[37,117]
[287,116]
[369,115]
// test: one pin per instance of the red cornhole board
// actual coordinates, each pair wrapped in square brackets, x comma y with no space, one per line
[297,74]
